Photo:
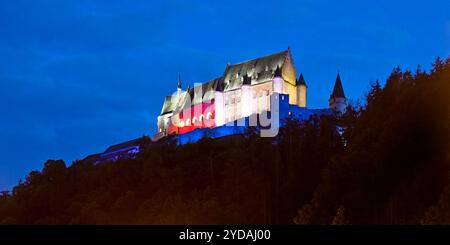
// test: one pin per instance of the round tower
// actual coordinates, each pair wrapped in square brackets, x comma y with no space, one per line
[337,100]
[301,91]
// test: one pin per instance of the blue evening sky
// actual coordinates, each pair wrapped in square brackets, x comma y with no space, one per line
[79,75]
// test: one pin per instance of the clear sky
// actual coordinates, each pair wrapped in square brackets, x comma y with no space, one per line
[79,75]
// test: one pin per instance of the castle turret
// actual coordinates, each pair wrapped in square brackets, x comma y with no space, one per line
[278,81]
[219,111]
[301,91]
[337,98]
[246,105]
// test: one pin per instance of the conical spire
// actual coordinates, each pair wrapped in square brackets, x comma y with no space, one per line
[301,80]
[338,91]
[278,72]
[179,81]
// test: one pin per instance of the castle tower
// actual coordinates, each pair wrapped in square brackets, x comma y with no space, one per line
[219,111]
[301,91]
[278,81]
[246,105]
[337,98]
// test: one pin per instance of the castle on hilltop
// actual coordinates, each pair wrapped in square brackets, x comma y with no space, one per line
[244,89]
[216,107]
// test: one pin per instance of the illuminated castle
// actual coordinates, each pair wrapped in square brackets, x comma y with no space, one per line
[244,89]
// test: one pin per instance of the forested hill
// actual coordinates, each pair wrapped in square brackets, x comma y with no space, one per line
[391,166]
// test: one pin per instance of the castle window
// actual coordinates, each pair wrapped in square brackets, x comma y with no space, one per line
[201,118]
[194,120]
[208,115]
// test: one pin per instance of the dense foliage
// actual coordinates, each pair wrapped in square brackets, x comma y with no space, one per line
[391,165]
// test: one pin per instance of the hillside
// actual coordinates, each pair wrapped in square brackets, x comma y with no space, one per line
[390,166]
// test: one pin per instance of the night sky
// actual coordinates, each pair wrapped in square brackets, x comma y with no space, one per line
[77,76]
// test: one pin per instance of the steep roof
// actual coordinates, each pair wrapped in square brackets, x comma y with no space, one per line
[123,145]
[93,157]
[301,80]
[205,91]
[259,69]
[174,102]
[338,91]
[254,71]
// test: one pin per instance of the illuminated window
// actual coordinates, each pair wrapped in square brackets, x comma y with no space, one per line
[194,120]
[208,115]
[181,124]
[201,117]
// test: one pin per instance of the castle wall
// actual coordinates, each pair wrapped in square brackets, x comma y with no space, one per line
[292,91]
[289,76]
[248,100]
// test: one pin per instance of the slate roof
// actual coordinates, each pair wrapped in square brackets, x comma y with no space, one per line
[205,91]
[174,102]
[93,157]
[251,72]
[124,145]
[338,91]
[259,69]
[301,80]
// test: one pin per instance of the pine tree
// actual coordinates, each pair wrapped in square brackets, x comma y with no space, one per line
[339,218]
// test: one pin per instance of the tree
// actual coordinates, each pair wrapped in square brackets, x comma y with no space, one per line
[339,218]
